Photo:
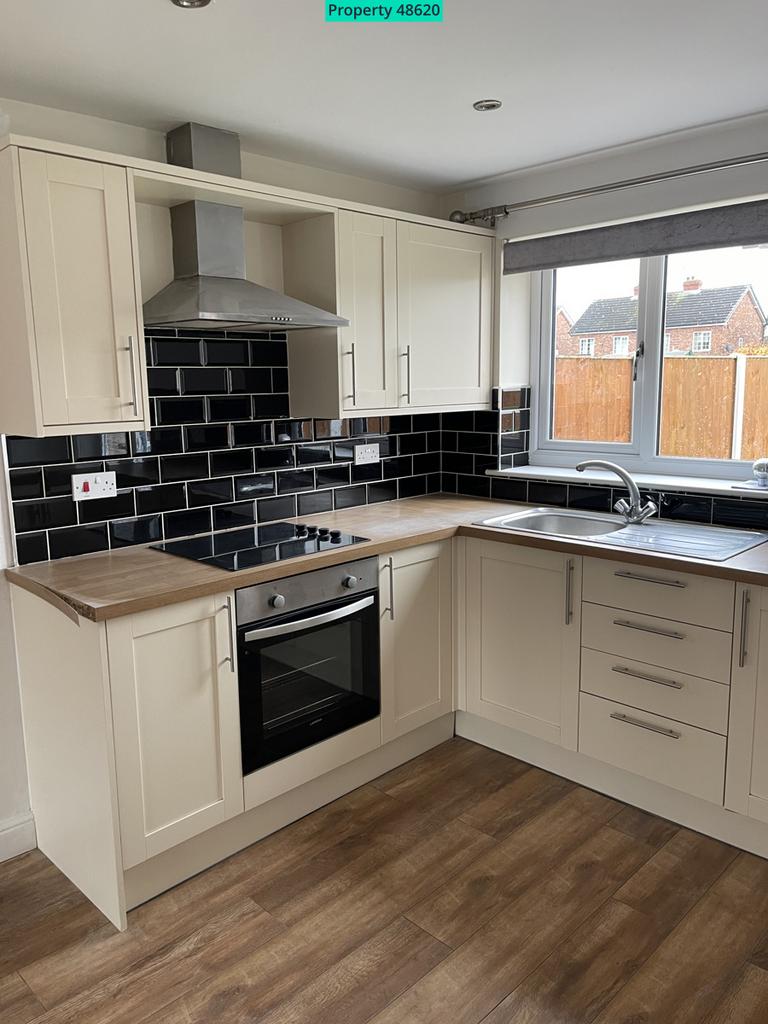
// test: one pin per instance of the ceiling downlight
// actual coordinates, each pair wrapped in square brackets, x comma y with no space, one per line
[485,105]
[191,4]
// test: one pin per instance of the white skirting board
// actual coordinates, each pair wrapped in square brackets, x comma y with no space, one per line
[690,811]
[17,836]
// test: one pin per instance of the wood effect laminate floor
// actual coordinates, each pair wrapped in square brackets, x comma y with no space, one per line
[462,887]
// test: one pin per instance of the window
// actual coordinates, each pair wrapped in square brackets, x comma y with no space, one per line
[690,397]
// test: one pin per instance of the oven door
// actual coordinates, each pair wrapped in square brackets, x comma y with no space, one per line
[307,676]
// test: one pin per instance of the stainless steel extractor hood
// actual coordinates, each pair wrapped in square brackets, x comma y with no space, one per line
[209,287]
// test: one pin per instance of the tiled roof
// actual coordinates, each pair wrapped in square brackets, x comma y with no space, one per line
[684,309]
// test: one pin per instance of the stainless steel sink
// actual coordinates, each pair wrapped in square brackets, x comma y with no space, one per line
[712,543]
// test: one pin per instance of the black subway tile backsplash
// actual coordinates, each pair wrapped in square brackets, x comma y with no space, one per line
[88,447]
[184,467]
[180,410]
[78,540]
[163,498]
[131,472]
[291,481]
[239,460]
[126,532]
[43,514]
[187,522]
[349,497]
[37,451]
[176,352]
[160,441]
[241,513]
[204,381]
[251,381]
[98,510]
[272,509]
[317,501]
[210,492]
[226,409]
[26,483]
[32,547]
[258,485]
[204,438]
[163,380]
[384,491]
[274,458]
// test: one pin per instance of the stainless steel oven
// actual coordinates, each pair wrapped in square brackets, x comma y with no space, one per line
[308,659]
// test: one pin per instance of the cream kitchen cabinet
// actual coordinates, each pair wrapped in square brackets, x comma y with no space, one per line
[523,614]
[176,723]
[72,339]
[416,638]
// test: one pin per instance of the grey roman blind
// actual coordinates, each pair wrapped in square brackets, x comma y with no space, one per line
[742,224]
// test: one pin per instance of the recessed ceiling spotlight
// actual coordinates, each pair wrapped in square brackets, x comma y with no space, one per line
[483,105]
[191,3]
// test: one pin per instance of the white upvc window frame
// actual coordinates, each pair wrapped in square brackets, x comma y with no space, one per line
[700,337]
[590,343]
[640,455]
[624,339]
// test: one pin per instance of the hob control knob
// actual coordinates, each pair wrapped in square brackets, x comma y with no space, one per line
[278,601]
[349,582]
[323,532]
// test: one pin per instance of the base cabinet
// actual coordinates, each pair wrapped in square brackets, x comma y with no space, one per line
[522,639]
[175,709]
[416,638]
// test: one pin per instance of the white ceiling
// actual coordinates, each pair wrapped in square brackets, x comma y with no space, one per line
[393,101]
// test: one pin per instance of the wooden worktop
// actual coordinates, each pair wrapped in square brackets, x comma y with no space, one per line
[110,584]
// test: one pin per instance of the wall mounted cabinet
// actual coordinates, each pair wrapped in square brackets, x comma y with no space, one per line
[71,317]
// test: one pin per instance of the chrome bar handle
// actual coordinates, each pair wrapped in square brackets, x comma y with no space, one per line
[230,628]
[625,574]
[353,396]
[746,600]
[624,671]
[407,355]
[391,567]
[569,591]
[650,726]
[649,629]
[288,628]
[129,348]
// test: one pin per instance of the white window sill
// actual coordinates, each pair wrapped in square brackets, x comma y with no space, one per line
[648,481]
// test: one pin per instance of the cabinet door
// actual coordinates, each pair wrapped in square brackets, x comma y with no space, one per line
[80,255]
[746,787]
[176,723]
[367,290]
[416,638]
[445,316]
[523,625]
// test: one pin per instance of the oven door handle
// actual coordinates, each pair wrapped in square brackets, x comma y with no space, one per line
[316,620]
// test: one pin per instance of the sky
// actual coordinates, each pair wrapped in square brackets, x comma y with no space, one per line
[577,287]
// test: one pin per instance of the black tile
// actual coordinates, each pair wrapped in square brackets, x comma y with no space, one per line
[233,407]
[79,540]
[43,513]
[296,480]
[749,515]
[412,444]
[426,421]
[397,425]
[246,335]
[317,501]
[515,442]
[27,483]
[349,497]
[160,332]
[412,486]
[204,381]
[162,381]
[484,462]
[269,353]
[476,486]
[509,490]
[228,352]
[134,472]
[362,426]
[209,492]
[344,451]
[270,509]
[520,459]
[449,441]
[37,451]
[240,460]
[163,498]
[448,483]
[329,429]
[332,476]
[252,433]
[202,439]
[386,490]
[458,421]
[201,332]
[180,410]
[177,353]
[32,547]
[487,422]
[183,467]
[226,517]
[250,381]
[258,486]
[367,473]
[160,441]
[593,499]
[183,524]
[522,420]
[312,454]
[473,442]
[89,447]
[293,430]
[98,509]
[433,483]
[270,407]
[547,494]
[511,398]
[428,463]
[280,378]
[458,462]
[274,458]
[689,507]
[127,532]
[401,466]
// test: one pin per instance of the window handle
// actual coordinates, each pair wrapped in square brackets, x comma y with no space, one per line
[639,353]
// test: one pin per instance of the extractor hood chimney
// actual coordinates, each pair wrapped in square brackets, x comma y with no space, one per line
[209,287]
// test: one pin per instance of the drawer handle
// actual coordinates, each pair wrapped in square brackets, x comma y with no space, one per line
[626,575]
[650,726]
[649,629]
[624,671]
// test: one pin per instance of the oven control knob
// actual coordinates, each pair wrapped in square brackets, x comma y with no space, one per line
[278,601]
[350,582]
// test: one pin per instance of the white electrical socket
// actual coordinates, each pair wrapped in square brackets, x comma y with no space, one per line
[365,454]
[86,486]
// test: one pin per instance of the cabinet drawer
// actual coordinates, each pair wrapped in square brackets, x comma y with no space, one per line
[685,698]
[654,641]
[663,592]
[657,748]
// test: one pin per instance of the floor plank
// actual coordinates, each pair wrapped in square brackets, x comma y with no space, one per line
[746,1001]
[18,1004]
